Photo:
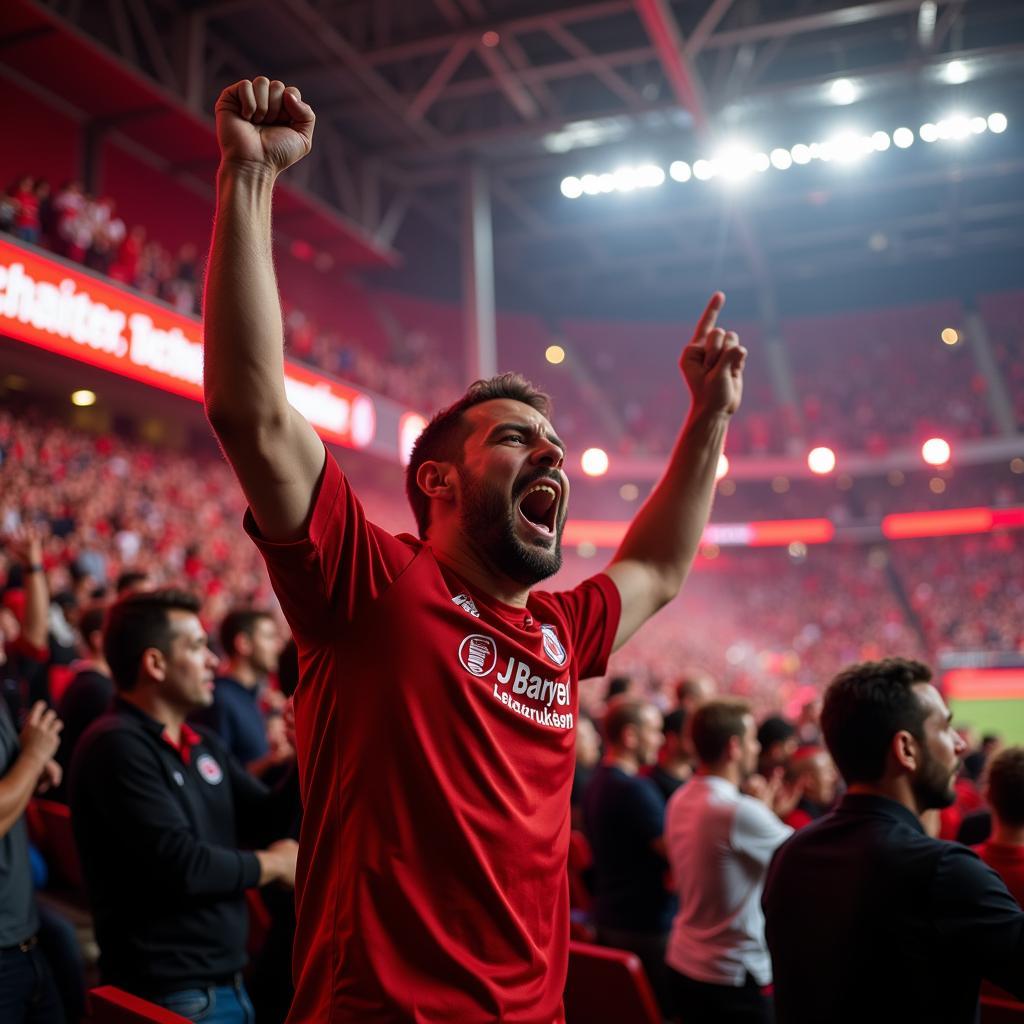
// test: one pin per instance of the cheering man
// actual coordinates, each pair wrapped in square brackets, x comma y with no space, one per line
[438,696]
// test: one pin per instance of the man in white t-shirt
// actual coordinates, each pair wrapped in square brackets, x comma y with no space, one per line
[719,845]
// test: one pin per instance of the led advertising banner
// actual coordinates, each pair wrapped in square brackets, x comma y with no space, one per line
[49,304]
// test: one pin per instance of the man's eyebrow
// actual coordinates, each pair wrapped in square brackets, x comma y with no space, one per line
[526,428]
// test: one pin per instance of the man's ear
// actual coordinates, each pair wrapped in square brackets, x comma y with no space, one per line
[154,663]
[904,748]
[436,480]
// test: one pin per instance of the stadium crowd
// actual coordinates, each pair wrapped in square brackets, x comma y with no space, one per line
[89,518]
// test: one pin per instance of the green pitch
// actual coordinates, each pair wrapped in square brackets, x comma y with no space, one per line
[1005,717]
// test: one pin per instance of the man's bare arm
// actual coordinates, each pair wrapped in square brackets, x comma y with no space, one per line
[262,128]
[656,554]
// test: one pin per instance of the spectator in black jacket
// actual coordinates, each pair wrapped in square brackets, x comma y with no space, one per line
[158,808]
[867,917]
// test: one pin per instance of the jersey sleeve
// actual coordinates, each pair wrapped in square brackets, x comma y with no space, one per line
[341,563]
[592,612]
[756,832]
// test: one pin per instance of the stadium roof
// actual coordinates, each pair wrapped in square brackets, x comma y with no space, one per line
[409,91]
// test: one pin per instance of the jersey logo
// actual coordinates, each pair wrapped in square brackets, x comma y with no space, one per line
[552,645]
[465,602]
[209,770]
[478,654]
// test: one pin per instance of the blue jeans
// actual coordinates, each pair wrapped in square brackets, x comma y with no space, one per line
[214,1004]
[27,992]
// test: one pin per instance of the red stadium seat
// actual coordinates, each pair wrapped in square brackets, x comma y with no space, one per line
[607,986]
[50,827]
[110,1005]
[580,859]
[1001,1011]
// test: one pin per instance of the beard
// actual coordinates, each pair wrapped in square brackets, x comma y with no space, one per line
[490,520]
[933,784]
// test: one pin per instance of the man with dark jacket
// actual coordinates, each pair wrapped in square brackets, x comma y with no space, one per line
[158,809]
[868,918]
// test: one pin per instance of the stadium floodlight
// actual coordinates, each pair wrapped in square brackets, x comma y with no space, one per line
[801,154]
[679,170]
[847,147]
[843,91]
[704,170]
[956,72]
[83,398]
[734,162]
[650,176]
[625,179]
[554,354]
[950,336]
[929,132]
[959,127]
[936,452]
[997,123]
[594,462]
[903,138]
[606,182]
[781,159]
[591,184]
[572,187]
[723,466]
[760,162]
[978,125]
[821,460]
[880,142]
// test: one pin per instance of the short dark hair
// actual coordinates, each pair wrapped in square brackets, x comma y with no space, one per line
[137,622]
[1006,785]
[865,706]
[775,729]
[239,621]
[623,711]
[91,621]
[674,722]
[714,724]
[444,436]
[617,686]
[129,580]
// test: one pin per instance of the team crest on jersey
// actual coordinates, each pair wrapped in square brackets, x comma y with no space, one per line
[478,654]
[209,770]
[552,645]
[465,602]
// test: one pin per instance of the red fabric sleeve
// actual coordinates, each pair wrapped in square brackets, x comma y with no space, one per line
[344,560]
[592,611]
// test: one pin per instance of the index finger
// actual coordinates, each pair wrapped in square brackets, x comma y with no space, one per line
[36,713]
[710,315]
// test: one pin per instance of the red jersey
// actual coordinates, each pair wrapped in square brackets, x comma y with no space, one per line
[436,752]
[1008,864]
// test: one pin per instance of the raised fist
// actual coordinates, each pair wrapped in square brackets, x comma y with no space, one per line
[260,123]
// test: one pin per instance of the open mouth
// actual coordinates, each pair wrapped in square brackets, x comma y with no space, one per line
[539,507]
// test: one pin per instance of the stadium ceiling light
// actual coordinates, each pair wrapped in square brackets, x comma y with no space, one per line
[821,460]
[843,91]
[903,138]
[83,398]
[594,462]
[704,170]
[956,72]
[554,354]
[572,188]
[936,452]
[679,170]
[738,161]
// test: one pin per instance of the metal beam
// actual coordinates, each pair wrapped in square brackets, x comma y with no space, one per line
[598,66]
[481,344]
[523,103]
[439,78]
[327,38]
[668,42]
[703,29]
